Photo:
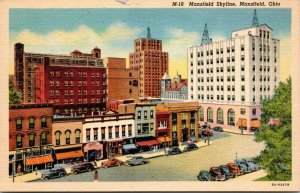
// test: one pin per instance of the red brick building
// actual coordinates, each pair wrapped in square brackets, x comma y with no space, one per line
[30,134]
[151,62]
[72,89]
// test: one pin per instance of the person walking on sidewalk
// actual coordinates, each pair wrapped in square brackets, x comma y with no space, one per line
[96,176]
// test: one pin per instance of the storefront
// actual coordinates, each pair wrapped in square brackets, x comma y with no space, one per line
[146,144]
[163,141]
[93,151]
[114,148]
[39,162]
[68,154]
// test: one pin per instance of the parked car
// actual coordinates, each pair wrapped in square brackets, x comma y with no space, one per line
[138,160]
[54,173]
[174,151]
[251,165]
[204,176]
[82,167]
[243,166]
[234,169]
[111,162]
[218,129]
[225,171]
[216,174]
[190,147]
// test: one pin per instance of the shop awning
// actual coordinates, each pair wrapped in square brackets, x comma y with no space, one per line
[39,160]
[255,123]
[69,155]
[274,121]
[241,122]
[162,139]
[147,143]
[93,146]
[129,146]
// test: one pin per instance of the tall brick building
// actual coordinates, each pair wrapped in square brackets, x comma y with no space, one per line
[151,62]
[122,82]
[75,83]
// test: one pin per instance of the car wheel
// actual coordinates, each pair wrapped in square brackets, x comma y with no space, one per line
[89,169]
[61,175]
[143,163]
[75,172]
[46,178]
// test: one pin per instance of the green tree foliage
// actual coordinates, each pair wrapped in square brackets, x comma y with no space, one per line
[277,156]
[14,96]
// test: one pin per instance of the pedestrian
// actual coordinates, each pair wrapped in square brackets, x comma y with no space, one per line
[19,169]
[96,176]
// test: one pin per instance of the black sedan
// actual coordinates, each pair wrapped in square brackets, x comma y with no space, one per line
[174,151]
[225,171]
[218,129]
[204,176]
[190,147]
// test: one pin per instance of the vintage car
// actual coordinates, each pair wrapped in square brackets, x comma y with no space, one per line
[53,173]
[204,176]
[234,169]
[225,171]
[111,163]
[251,165]
[82,167]
[174,151]
[190,147]
[137,160]
[243,166]
[216,174]
[218,129]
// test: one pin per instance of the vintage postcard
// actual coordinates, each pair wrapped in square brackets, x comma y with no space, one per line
[129,95]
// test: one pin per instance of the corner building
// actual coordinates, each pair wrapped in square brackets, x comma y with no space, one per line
[231,77]
[152,64]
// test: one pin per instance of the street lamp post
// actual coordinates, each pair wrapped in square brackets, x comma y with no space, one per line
[165,145]
[236,166]
[208,127]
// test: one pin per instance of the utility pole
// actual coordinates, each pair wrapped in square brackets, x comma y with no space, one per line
[236,166]
[165,145]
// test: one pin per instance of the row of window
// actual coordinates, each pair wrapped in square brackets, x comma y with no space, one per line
[145,128]
[79,92]
[71,74]
[67,137]
[102,132]
[32,140]
[139,114]
[32,121]
[78,101]
[229,97]
[77,83]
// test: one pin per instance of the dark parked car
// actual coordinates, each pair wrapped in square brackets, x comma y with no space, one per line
[190,147]
[218,129]
[54,173]
[243,166]
[225,171]
[204,176]
[111,162]
[234,169]
[138,160]
[174,151]
[216,174]
[251,165]
[83,167]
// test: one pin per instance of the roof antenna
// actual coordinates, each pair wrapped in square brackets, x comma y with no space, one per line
[205,36]
[148,33]
[255,20]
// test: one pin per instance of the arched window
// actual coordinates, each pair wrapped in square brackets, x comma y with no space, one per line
[31,123]
[210,117]
[231,117]
[68,133]
[57,137]
[43,121]
[19,141]
[44,138]
[77,136]
[220,116]
[19,123]
[201,114]
[31,139]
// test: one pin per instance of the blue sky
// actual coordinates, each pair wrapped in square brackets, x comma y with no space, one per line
[114,30]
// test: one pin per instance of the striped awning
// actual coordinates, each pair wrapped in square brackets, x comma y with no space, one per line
[242,122]
[162,139]
[69,155]
[39,160]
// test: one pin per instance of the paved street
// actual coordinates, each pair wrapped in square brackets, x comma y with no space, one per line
[183,167]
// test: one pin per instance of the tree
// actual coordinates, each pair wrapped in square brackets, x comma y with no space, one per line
[276,158]
[14,96]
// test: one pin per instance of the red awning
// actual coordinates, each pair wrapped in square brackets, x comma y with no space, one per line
[93,146]
[69,155]
[242,122]
[39,160]
[255,124]
[147,143]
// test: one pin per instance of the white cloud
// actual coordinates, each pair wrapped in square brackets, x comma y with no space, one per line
[116,40]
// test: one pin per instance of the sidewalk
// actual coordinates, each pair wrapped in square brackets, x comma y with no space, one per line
[238,132]
[249,177]
[147,155]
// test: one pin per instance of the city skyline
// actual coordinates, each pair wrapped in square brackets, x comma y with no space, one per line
[113,30]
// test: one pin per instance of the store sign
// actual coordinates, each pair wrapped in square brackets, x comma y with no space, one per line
[174,135]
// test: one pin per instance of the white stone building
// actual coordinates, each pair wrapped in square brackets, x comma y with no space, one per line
[231,77]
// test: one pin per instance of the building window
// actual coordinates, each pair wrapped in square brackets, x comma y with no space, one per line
[44,138]
[151,114]
[243,98]
[243,88]
[57,137]
[110,132]
[220,116]
[139,128]
[103,133]
[117,131]
[31,123]
[243,111]
[242,47]
[19,124]
[243,78]
[129,130]
[231,117]
[209,115]
[145,115]
[19,141]
[123,130]
[31,140]
[68,133]
[77,136]
[88,134]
